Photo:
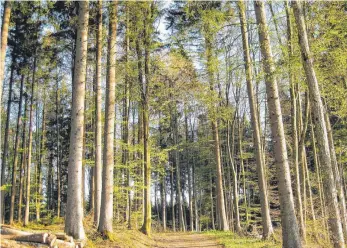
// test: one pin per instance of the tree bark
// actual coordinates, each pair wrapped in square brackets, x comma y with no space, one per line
[41,157]
[57,103]
[74,208]
[317,110]
[98,126]
[16,146]
[237,225]
[264,202]
[290,231]
[106,209]
[223,223]
[146,227]
[4,34]
[6,144]
[172,201]
[23,161]
[178,170]
[30,145]
[337,176]
[295,156]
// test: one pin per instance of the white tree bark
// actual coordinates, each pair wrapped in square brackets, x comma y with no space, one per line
[106,210]
[265,208]
[290,231]
[317,110]
[74,209]
[98,126]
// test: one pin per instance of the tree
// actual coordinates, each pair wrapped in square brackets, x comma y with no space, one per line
[290,232]
[266,219]
[317,110]
[4,34]
[106,209]
[74,213]
[15,160]
[98,125]
[30,145]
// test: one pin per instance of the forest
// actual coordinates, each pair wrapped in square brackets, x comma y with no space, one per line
[173,124]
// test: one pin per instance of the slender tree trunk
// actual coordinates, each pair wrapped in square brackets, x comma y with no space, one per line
[178,171]
[264,202]
[290,231]
[126,109]
[146,227]
[190,196]
[6,143]
[195,196]
[4,34]
[237,224]
[223,223]
[58,149]
[337,176]
[74,208]
[30,145]
[295,157]
[317,168]
[41,157]
[16,146]
[317,110]
[163,200]
[172,200]
[106,209]
[23,161]
[98,126]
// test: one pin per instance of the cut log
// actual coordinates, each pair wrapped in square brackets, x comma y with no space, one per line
[63,244]
[11,231]
[35,238]
[51,240]
[65,237]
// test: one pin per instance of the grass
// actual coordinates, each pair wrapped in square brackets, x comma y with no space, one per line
[232,240]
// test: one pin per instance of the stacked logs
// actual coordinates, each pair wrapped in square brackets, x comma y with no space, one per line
[59,240]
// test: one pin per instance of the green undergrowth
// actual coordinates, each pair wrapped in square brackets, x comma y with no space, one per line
[315,238]
[232,240]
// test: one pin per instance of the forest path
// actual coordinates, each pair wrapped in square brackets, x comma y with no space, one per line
[185,240]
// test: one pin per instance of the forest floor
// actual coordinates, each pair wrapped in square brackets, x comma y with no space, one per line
[186,240]
[124,238]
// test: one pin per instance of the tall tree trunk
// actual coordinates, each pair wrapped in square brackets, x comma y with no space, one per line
[58,149]
[163,200]
[317,168]
[337,176]
[6,144]
[190,196]
[23,161]
[30,145]
[223,223]
[106,209]
[74,208]
[211,196]
[264,202]
[295,156]
[144,84]
[290,231]
[126,109]
[178,171]
[4,34]
[317,110]
[98,126]
[41,157]
[172,200]
[16,146]
[235,190]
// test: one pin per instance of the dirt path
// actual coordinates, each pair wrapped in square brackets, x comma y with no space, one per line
[185,240]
